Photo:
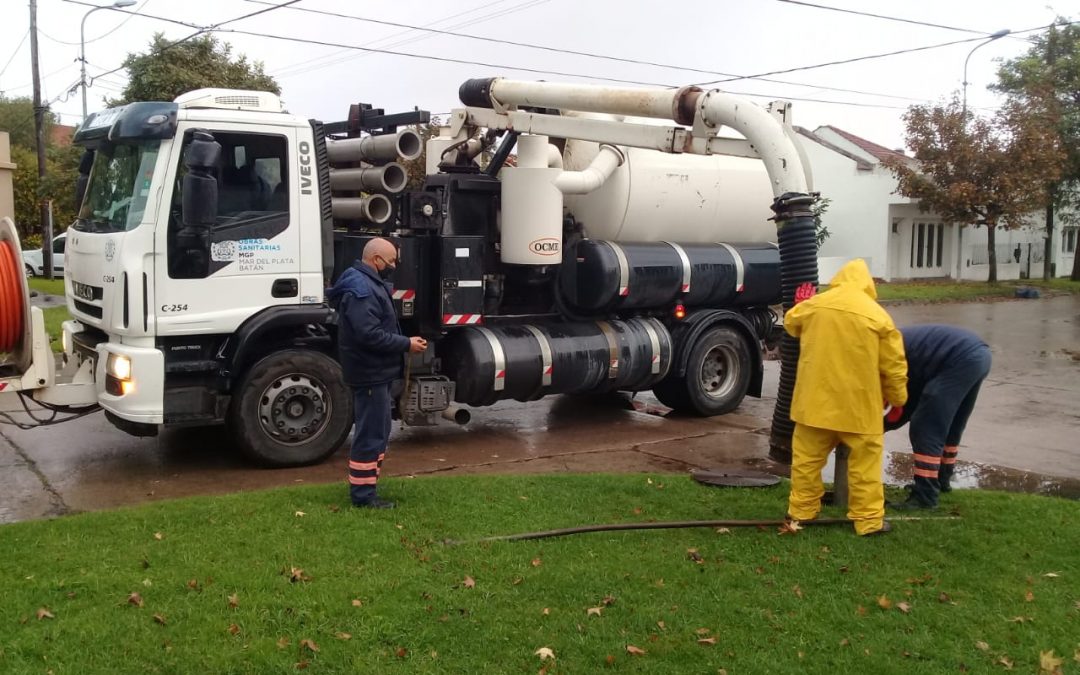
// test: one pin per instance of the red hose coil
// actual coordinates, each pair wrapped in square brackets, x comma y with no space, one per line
[11,298]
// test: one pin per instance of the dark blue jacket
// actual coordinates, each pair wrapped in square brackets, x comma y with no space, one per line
[930,350]
[370,343]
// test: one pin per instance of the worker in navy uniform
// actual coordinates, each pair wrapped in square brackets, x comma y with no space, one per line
[372,350]
[946,367]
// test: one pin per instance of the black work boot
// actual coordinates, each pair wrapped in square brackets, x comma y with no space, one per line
[923,495]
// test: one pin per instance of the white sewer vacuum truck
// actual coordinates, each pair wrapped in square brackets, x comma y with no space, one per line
[615,254]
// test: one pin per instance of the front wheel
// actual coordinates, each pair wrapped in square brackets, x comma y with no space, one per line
[717,375]
[292,409]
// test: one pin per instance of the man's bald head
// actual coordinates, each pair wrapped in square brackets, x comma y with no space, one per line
[380,247]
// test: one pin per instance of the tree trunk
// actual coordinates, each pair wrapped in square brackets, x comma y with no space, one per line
[1048,255]
[1075,276]
[991,251]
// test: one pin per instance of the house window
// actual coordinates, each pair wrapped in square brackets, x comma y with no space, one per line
[919,250]
[1068,240]
[927,245]
[940,242]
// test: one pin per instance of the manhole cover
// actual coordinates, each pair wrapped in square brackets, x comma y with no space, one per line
[734,477]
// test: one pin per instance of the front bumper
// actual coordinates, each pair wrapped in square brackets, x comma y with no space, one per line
[142,400]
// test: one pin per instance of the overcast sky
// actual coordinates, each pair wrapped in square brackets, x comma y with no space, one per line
[733,37]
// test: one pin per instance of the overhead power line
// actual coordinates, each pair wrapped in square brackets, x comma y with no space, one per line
[15,53]
[885,17]
[112,30]
[572,52]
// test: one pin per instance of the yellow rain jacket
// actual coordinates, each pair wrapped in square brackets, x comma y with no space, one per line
[851,359]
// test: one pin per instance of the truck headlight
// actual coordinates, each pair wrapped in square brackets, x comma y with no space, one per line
[118,366]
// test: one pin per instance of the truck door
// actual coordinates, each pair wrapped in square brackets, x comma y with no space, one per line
[250,259]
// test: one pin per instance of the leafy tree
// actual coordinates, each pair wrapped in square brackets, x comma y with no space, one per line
[989,172]
[167,70]
[1051,70]
[59,186]
[17,118]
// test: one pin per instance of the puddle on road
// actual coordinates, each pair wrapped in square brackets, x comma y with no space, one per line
[988,477]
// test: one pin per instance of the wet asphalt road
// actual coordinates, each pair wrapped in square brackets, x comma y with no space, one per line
[1023,435]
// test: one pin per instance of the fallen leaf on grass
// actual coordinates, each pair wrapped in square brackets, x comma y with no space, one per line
[797,591]
[1049,663]
[309,644]
[845,642]
[234,629]
[608,601]
[44,613]
[299,514]
[982,646]
[636,651]
[1029,596]
[545,653]
[469,582]
[1051,575]
[296,574]
[723,530]
[1020,619]
[884,602]
[401,652]
[593,611]
[159,536]
[282,642]
[661,625]
[1006,662]
[943,597]
[546,611]
[343,636]
[904,607]
[234,601]
[536,562]
[357,602]
[860,610]
[609,659]
[135,599]
[517,581]
[1076,656]
[334,508]
[703,631]
[302,665]
[692,554]
[159,619]
[193,584]
[147,583]
[707,641]
[844,569]
[789,527]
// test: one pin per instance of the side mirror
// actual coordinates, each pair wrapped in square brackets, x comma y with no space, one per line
[200,188]
[86,162]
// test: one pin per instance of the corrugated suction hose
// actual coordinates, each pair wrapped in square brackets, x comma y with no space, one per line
[11,298]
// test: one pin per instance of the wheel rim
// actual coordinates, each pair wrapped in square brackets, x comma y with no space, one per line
[720,370]
[294,409]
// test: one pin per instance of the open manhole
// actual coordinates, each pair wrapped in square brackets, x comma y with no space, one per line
[734,477]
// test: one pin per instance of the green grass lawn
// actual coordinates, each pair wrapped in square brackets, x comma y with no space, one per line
[49,286]
[269,582]
[946,291]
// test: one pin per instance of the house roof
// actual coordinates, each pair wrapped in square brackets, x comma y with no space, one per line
[61,134]
[880,152]
[860,163]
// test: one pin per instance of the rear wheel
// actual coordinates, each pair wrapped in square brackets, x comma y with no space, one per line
[717,375]
[292,409]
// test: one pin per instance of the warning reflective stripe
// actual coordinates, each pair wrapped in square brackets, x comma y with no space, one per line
[739,272]
[368,480]
[3,386]
[926,473]
[613,348]
[927,459]
[686,269]
[545,354]
[462,319]
[499,381]
[654,345]
[624,268]
[404,295]
[363,466]
[948,459]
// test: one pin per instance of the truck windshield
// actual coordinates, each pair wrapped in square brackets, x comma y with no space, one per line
[118,188]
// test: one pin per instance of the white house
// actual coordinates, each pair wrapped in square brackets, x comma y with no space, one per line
[867,219]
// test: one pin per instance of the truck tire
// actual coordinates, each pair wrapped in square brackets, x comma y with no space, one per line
[717,375]
[292,408]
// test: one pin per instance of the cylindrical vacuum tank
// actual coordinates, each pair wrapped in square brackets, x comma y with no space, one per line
[701,198]
[405,144]
[526,362]
[372,208]
[532,207]
[390,178]
[603,276]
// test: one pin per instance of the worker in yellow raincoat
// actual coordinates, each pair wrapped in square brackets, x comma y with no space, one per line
[851,363]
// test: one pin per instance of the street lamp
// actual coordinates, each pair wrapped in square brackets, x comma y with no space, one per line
[990,38]
[963,120]
[118,4]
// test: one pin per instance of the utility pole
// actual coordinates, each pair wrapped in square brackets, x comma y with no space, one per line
[39,140]
[1048,251]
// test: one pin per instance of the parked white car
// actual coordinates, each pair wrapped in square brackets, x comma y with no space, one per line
[35,265]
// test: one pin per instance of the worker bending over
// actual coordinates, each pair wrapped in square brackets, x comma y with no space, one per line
[946,367]
[851,358]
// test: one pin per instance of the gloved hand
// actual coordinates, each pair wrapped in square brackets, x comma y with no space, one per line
[894,415]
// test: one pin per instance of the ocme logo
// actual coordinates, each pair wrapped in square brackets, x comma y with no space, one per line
[545,246]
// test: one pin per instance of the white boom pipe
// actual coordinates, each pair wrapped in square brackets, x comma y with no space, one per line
[594,175]
[706,111]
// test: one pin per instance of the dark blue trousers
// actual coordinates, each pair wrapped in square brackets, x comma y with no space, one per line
[371,407]
[940,417]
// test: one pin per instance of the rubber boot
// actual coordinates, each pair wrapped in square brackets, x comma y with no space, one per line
[924,495]
[948,466]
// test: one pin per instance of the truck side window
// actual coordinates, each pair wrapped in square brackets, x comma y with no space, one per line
[253,198]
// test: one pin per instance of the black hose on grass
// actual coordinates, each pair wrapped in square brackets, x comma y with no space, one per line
[668,525]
